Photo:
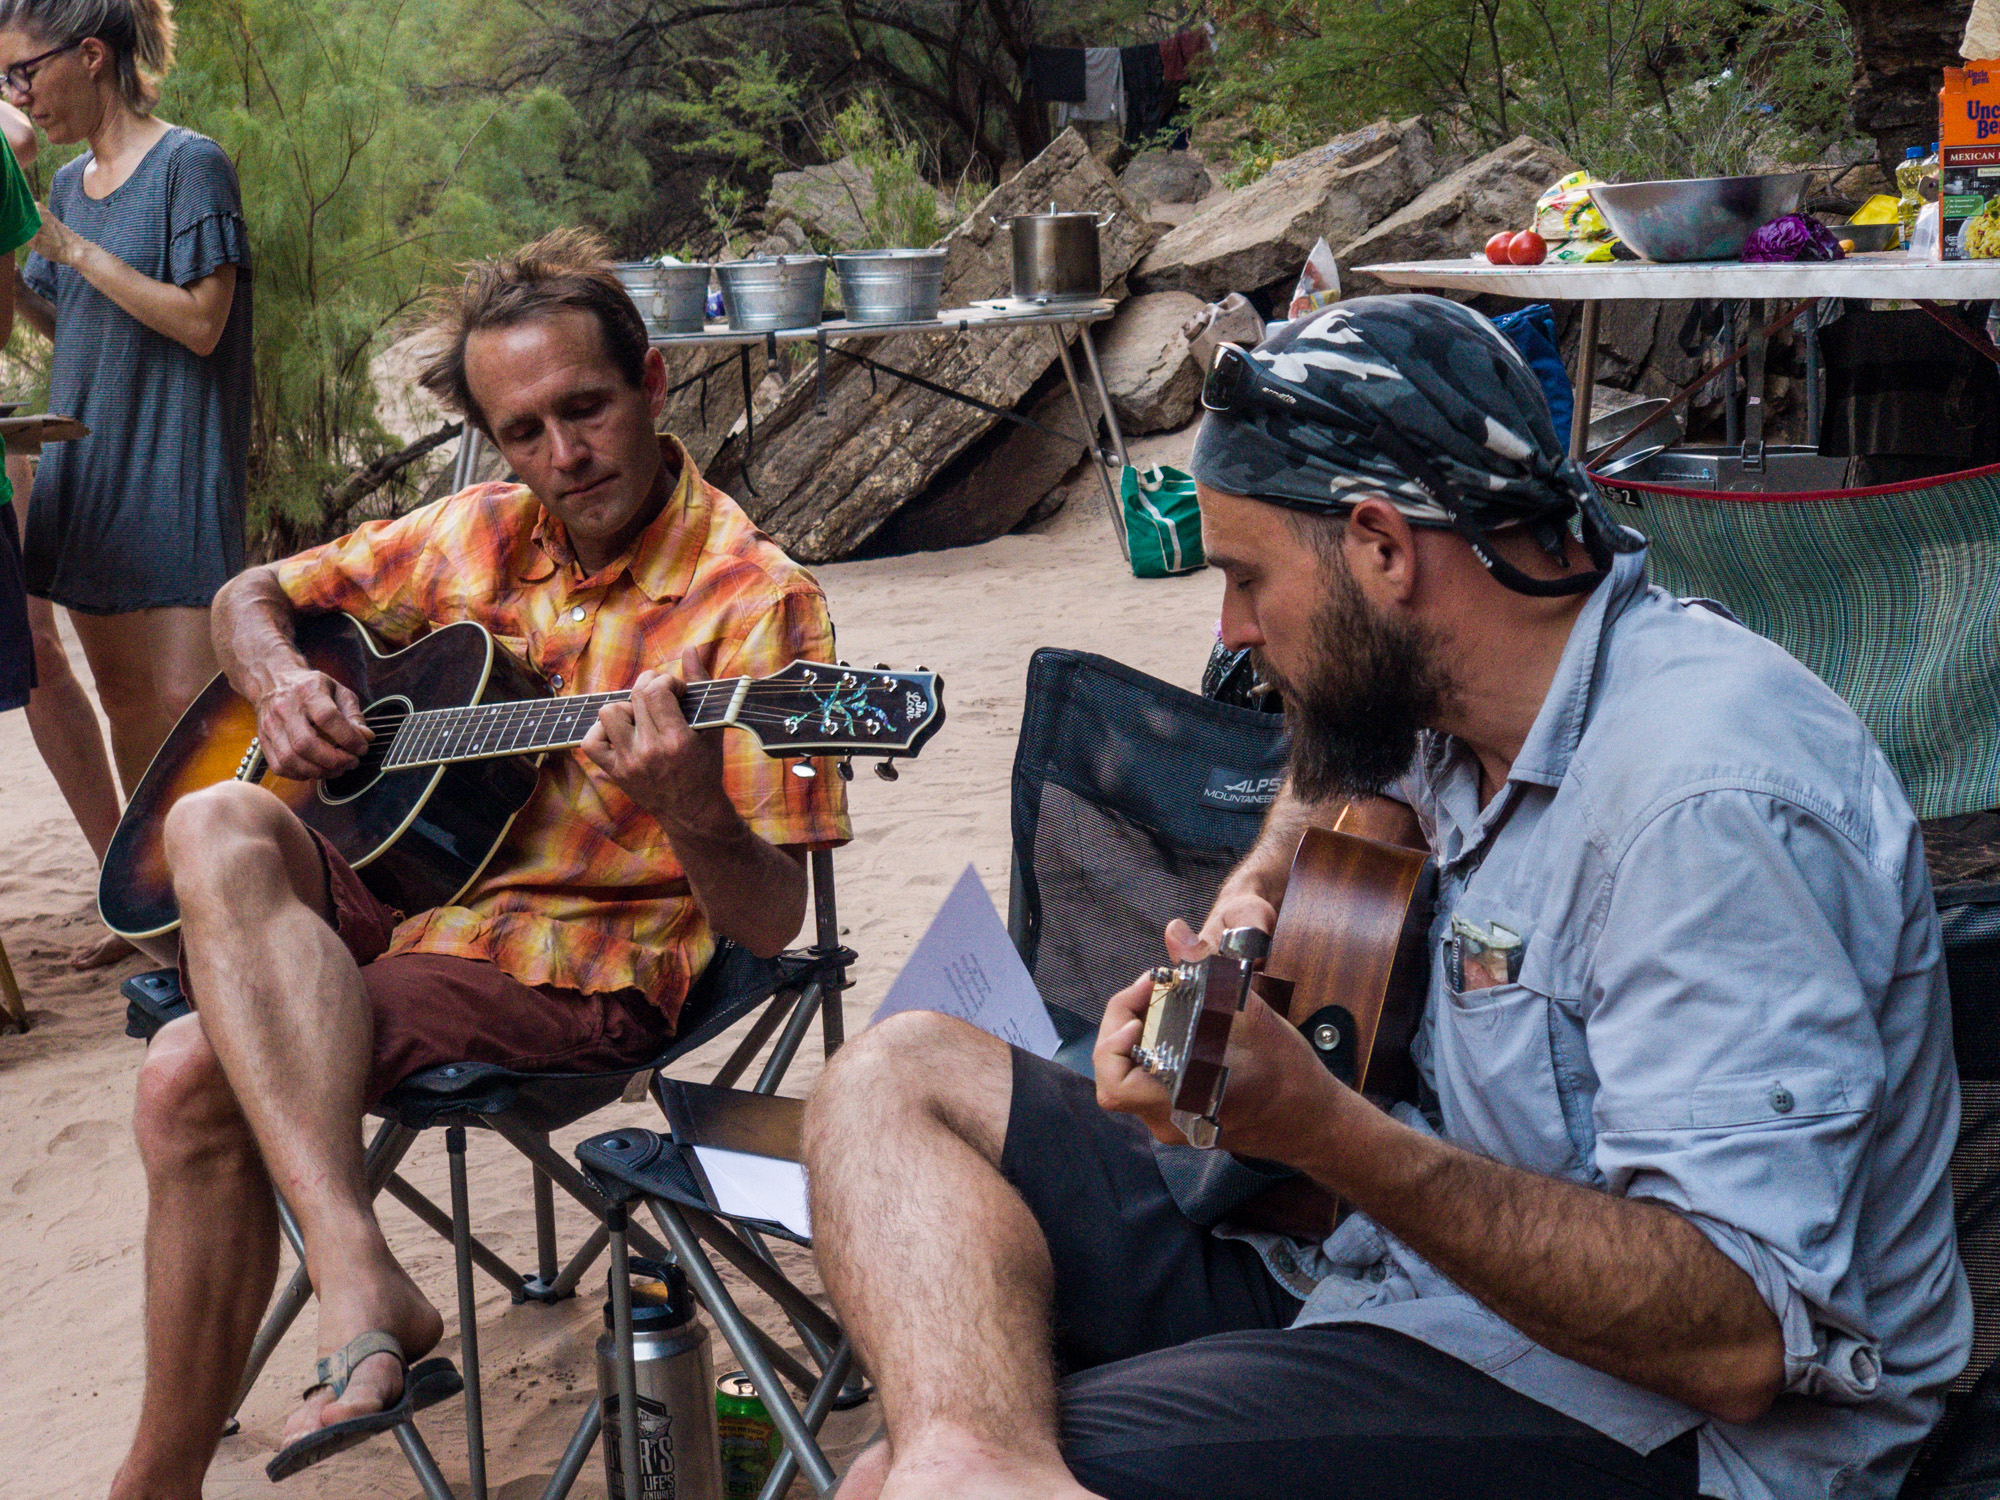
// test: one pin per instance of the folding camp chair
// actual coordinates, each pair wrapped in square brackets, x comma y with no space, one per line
[659,1172]
[1961,1459]
[523,1108]
[1132,799]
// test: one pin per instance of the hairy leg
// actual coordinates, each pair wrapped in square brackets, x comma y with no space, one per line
[283,1007]
[149,664]
[211,1259]
[936,1266]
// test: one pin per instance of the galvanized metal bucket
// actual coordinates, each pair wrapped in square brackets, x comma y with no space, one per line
[890,286]
[683,298]
[768,292]
[641,280]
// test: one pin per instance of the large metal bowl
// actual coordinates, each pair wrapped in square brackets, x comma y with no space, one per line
[1696,218]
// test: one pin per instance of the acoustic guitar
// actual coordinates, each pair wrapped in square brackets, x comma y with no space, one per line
[460,728]
[1346,964]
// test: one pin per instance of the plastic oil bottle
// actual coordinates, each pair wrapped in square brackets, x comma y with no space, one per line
[1909,190]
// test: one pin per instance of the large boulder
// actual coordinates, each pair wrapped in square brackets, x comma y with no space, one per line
[1166,177]
[832,465]
[1456,215]
[1259,237]
[995,484]
[1148,367]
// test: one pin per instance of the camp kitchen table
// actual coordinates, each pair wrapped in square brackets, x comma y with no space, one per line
[980,317]
[1888,275]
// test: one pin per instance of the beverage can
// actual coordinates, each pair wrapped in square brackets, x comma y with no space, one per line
[749,1438]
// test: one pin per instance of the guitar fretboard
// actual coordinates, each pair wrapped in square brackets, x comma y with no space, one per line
[437,735]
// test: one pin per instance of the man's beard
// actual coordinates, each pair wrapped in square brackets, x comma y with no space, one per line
[1372,682]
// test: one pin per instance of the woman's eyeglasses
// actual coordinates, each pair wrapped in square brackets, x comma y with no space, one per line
[19,80]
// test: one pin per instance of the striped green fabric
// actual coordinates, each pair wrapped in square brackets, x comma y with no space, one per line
[1890,597]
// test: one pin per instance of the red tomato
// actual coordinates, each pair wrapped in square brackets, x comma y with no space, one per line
[1496,248]
[1527,249]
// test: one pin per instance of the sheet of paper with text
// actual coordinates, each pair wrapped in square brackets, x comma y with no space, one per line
[966,966]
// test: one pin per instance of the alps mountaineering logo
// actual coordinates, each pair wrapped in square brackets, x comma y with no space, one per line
[1241,791]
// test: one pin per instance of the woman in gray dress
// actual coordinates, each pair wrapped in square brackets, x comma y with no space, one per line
[141,277]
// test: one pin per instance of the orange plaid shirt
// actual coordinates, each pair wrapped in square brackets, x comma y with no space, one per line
[586,893]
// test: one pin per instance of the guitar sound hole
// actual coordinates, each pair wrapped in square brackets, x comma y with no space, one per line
[385,717]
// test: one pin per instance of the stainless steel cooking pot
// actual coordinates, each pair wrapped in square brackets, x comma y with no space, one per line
[1055,256]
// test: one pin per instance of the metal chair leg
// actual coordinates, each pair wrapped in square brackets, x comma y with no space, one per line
[438,1221]
[547,1262]
[616,1222]
[418,1454]
[824,1396]
[468,1321]
[580,1444]
[742,1336]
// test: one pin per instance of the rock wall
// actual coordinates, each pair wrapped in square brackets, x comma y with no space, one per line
[1259,237]
[1902,48]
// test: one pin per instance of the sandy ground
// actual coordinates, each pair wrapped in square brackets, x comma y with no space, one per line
[72,1203]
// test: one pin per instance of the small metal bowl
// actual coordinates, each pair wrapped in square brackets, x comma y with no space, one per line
[1869,238]
[1696,218]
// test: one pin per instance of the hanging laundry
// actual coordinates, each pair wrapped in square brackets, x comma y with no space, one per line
[1055,74]
[1103,89]
[1177,51]
[1145,91]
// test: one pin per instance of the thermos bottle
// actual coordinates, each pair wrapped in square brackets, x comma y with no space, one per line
[678,1456]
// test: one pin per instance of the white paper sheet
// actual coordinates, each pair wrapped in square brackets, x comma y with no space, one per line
[966,966]
[757,1187]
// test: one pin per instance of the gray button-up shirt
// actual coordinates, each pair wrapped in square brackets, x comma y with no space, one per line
[1728,997]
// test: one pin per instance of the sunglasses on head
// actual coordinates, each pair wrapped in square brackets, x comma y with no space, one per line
[1237,384]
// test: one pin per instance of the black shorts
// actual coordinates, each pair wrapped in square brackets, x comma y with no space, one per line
[1182,1379]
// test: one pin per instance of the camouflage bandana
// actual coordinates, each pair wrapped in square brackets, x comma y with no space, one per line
[1434,376]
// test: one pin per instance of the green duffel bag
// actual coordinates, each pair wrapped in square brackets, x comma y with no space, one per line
[1162,521]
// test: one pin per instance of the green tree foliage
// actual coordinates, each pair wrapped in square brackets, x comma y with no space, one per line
[362,182]
[1628,87]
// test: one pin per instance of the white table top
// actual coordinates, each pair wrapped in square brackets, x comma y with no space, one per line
[1002,312]
[1889,274]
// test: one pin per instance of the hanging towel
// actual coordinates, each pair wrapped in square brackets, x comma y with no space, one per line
[1055,74]
[1145,91]
[1177,51]
[1103,89]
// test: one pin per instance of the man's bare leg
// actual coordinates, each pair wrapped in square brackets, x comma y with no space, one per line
[206,1288]
[935,1265]
[283,1007]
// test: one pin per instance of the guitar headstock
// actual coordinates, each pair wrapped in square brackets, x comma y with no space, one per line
[813,709]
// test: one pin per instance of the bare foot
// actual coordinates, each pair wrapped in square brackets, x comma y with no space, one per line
[101,954]
[376,1383]
[966,1469]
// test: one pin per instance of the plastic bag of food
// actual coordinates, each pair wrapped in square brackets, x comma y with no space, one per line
[1565,212]
[1319,282]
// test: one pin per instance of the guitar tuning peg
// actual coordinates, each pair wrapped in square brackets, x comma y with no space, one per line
[842,662]
[881,666]
[886,770]
[845,766]
[804,770]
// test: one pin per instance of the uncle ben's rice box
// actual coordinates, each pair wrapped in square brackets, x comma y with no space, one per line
[1969,163]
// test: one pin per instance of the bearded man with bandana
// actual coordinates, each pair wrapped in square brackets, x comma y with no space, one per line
[1674,1216]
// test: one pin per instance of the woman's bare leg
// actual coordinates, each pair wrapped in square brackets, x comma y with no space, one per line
[64,724]
[149,665]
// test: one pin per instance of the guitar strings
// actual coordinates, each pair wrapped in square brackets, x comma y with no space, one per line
[705,690]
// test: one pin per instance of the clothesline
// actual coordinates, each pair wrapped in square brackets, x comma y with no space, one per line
[1138,86]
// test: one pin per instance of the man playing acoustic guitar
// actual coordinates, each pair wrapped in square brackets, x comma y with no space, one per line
[572,951]
[1673,1216]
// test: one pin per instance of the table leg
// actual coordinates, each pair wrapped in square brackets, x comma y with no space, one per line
[1090,439]
[1586,382]
[1809,336]
[1103,396]
[469,443]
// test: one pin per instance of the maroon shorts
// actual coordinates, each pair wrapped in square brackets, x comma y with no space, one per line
[436,1008]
